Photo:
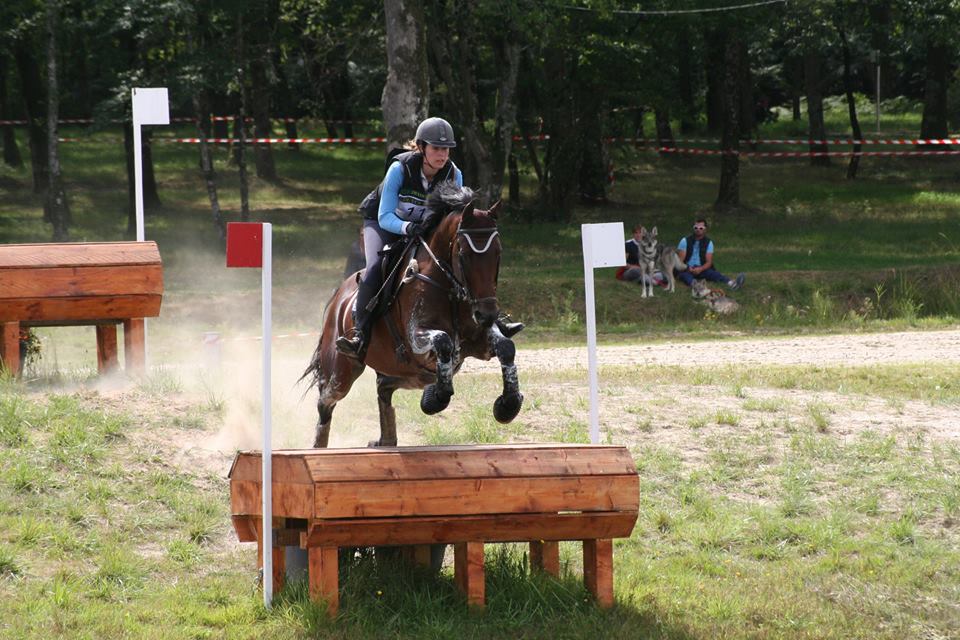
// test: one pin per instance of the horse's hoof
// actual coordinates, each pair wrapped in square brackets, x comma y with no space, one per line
[506,408]
[380,443]
[432,402]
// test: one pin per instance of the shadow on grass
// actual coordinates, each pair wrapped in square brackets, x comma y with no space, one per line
[389,598]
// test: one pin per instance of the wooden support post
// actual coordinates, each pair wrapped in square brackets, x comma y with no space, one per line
[10,347]
[134,350]
[279,557]
[107,348]
[322,570]
[598,570]
[545,556]
[417,554]
[468,572]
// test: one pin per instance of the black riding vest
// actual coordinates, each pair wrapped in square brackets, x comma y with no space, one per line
[412,199]
[704,243]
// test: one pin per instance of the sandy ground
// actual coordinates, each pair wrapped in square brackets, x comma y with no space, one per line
[853,349]
[633,415]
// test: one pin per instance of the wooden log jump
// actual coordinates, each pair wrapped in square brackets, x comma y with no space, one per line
[101,284]
[324,499]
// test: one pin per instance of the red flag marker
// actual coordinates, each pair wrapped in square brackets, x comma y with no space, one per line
[244,244]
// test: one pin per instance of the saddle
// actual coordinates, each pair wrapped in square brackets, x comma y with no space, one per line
[392,256]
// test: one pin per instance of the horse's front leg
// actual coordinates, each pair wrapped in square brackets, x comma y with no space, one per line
[436,396]
[507,406]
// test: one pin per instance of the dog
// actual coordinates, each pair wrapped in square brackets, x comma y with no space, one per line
[668,260]
[716,299]
[647,249]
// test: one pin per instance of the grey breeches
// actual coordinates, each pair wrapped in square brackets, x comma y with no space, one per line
[374,239]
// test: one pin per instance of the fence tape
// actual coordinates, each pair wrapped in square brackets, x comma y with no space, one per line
[212,338]
[841,141]
[797,154]
[192,119]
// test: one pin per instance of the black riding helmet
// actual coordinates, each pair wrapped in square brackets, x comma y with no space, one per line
[436,131]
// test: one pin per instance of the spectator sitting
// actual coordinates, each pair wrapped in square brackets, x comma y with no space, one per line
[696,250]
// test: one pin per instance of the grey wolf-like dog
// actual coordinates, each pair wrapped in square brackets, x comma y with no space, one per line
[655,255]
[716,299]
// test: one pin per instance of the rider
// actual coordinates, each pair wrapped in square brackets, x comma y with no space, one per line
[398,208]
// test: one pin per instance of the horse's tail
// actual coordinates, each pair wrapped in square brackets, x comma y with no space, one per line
[313,370]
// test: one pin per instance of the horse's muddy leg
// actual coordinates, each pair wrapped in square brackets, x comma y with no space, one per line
[437,396]
[337,376]
[386,385]
[507,406]
[325,415]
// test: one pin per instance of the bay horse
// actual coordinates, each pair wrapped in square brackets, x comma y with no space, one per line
[444,309]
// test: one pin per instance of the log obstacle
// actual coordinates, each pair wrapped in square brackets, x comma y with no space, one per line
[324,499]
[97,283]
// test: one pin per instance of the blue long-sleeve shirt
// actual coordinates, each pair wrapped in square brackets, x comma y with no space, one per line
[390,199]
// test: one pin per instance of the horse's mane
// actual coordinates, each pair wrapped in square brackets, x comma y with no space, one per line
[448,197]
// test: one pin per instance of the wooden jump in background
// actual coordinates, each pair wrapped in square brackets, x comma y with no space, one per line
[324,499]
[101,284]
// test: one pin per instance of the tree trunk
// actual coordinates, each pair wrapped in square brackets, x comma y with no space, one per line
[793,77]
[262,81]
[685,83]
[934,123]
[11,152]
[34,101]
[748,119]
[262,128]
[508,54]
[405,99]
[455,65]
[201,110]
[851,107]
[514,179]
[565,147]
[593,167]
[131,179]
[818,129]
[661,117]
[151,197]
[714,51]
[56,206]
[728,198]
[240,125]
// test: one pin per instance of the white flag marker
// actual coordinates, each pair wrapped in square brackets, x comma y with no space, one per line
[602,247]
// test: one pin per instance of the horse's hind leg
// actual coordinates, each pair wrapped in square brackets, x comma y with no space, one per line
[386,385]
[507,406]
[339,375]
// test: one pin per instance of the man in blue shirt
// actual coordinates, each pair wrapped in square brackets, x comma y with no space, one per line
[696,250]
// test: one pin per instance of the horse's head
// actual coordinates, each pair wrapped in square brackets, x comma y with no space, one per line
[475,257]
[468,241]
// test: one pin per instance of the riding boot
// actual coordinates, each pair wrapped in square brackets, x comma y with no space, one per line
[354,343]
[508,329]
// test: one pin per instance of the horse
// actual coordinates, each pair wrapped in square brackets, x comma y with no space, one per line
[444,309]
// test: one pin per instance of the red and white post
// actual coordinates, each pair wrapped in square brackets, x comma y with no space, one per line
[250,244]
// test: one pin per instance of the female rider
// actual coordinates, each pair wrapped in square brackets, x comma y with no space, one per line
[398,208]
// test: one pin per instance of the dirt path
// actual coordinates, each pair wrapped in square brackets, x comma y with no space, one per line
[853,349]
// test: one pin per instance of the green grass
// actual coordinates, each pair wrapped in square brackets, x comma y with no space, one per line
[782,530]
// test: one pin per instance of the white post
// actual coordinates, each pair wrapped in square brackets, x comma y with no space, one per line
[149,106]
[602,247]
[267,479]
[591,340]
